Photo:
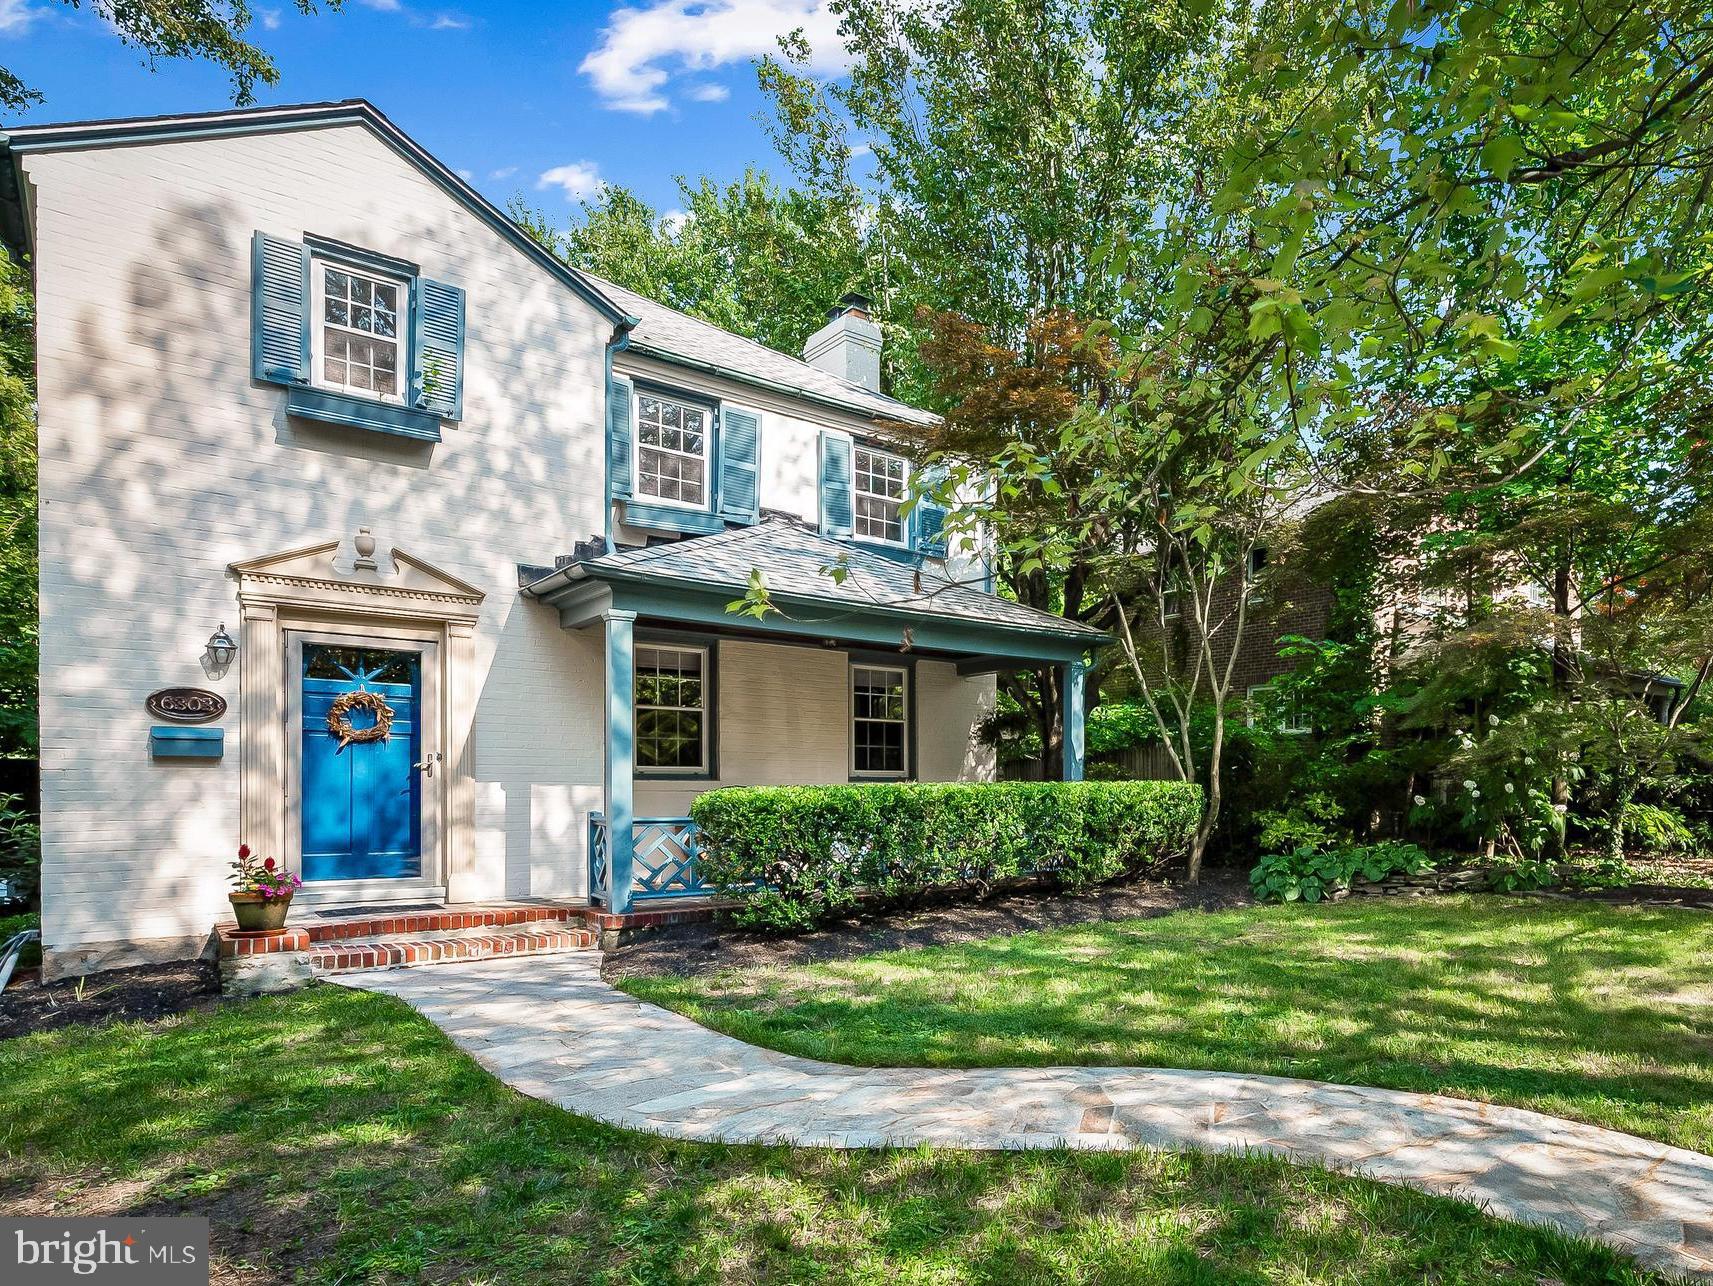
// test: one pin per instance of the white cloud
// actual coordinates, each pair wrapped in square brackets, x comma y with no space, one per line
[862,149]
[466,176]
[504,172]
[673,221]
[449,22]
[710,93]
[16,17]
[578,180]
[641,48]
[270,19]
[385,6]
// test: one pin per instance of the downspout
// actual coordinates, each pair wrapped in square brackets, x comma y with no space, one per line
[11,951]
[620,340]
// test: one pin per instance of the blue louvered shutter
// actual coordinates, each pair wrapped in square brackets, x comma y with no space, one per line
[619,434]
[437,348]
[929,516]
[835,485]
[279,310]
[740,464]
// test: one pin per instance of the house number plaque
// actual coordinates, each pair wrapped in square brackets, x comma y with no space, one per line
[187,705]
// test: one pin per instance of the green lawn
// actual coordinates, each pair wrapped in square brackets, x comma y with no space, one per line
[1596,1012]
[336,1136]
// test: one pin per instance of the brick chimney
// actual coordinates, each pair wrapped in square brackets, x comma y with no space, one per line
[849,344]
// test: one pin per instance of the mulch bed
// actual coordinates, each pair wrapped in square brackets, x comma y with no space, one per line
[686,950]
[139,994]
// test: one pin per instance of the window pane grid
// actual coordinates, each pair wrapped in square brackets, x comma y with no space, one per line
[879,495]
[879,721]
[359,331]
[672,455]
[670,703]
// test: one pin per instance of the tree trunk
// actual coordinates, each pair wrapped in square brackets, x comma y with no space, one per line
[1049,722]
[1210,806]
[1615,835]
[1563,673]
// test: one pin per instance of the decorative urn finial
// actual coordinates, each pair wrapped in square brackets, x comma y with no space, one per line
[365,544]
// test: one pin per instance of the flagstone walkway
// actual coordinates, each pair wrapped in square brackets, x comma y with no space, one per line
[551,1028]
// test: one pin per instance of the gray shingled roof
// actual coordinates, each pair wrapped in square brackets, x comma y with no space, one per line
[667,333]
[791,559]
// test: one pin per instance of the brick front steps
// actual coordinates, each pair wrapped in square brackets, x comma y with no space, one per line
[313,946]
[392,953]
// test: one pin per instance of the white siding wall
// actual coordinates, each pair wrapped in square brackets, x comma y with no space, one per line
[783,719]
[161,463]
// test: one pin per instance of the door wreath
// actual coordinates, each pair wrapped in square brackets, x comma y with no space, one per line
[339,718]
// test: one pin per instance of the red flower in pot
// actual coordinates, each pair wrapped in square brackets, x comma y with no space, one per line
[261,892]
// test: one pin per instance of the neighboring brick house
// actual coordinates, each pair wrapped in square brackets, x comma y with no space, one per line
[1297,604]
[311,412]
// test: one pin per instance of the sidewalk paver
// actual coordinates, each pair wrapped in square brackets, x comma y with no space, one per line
[551,1028]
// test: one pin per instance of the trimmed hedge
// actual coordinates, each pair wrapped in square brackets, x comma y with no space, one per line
[792,857]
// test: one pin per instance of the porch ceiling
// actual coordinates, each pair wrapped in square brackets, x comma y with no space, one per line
[880,601]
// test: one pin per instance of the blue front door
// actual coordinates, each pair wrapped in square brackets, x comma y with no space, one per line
[362,799]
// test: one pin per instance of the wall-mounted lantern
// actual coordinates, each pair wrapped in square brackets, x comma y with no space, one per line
[222,647]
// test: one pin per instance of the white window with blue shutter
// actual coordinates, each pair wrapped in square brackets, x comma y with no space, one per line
[740,464]
[835,515]
[357,338]
[664,451]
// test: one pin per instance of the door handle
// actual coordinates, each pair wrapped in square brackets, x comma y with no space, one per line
[426,767]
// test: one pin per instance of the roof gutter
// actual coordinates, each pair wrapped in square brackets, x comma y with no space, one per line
[14,217]
[572,573]
[758,381]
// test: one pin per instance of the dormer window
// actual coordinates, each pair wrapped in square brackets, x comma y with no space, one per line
[357,344]
[672,450]
[879,496]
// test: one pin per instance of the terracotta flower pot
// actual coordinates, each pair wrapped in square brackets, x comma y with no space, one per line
[257,914]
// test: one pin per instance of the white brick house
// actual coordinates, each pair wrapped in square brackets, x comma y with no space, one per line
[299,380]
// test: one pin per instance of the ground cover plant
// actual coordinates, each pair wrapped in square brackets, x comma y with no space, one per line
[1596,1012]
[336,1136]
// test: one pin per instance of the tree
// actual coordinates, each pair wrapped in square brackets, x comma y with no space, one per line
[1374,215]
[18,616]
[1008,141]
[747,256]
[1001,401]
[210,29]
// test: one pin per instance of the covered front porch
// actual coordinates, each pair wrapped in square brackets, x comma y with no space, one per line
[868,667]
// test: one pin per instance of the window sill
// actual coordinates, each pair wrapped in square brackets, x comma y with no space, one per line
[689,522]
[328,407]
[657,774]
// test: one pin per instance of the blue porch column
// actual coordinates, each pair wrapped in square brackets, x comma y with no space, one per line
[619,627]
[1072,680]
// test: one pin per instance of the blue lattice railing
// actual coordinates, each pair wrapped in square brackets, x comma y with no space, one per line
[664,865]
[600,883]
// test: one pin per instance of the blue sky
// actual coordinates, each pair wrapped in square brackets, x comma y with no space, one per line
[542,99]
